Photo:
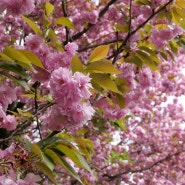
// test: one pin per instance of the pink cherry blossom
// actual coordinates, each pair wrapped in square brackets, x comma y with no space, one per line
[17,7]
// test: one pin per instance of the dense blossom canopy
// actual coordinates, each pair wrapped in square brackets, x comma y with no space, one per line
[90,92]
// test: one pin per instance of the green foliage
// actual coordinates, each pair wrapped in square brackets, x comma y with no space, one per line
[32,25]
[104,81]
[99,53]
[49,8]
[15,68]
[102,66]
[54,150]
[64,21]
[76,64]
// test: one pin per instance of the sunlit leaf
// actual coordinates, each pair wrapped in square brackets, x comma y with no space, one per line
[143,2]
[47,172]
[16,55]
[36,150]
[86,146]
[180,3]
[49,8]
[59,160]
[99,53]
[32,58]
[146,59]
[4,57]
[104,81]
[64,21]
[74,155]
[122,28]
[121,123]
[48,162]
[76,64]
[104,66]
[151,53]
[32,25]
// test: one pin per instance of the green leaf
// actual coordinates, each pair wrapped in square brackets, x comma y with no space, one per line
[145,58]
[36,150]
[163,55]
[178,15]
[50,34]
[53,141]
[120,100]
[99,53]
[85,146]
[143,2]
[49,8]
[19,57]
[48,162]
[104,66]
[74,155]
[47,171]
[121,123]
[104,81]
[32,58]
[14,68]
[64,21]
[71,170]
[122,28]
[135,60]
[58,159]
[16,55]
[151,53]
[76,64]
[32,25]
[4,57]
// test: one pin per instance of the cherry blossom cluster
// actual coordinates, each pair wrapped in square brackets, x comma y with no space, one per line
[136,124]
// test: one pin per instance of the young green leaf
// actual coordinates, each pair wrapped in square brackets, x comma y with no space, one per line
[48,162]
[49,8]
[58,159]
[146,59]
[104,66]
[32,25]
[104,81]
[64,21]
[4,57]
[99,53]
[32,58]
[76,64]
[47,172]
[74,155]
[16,55]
